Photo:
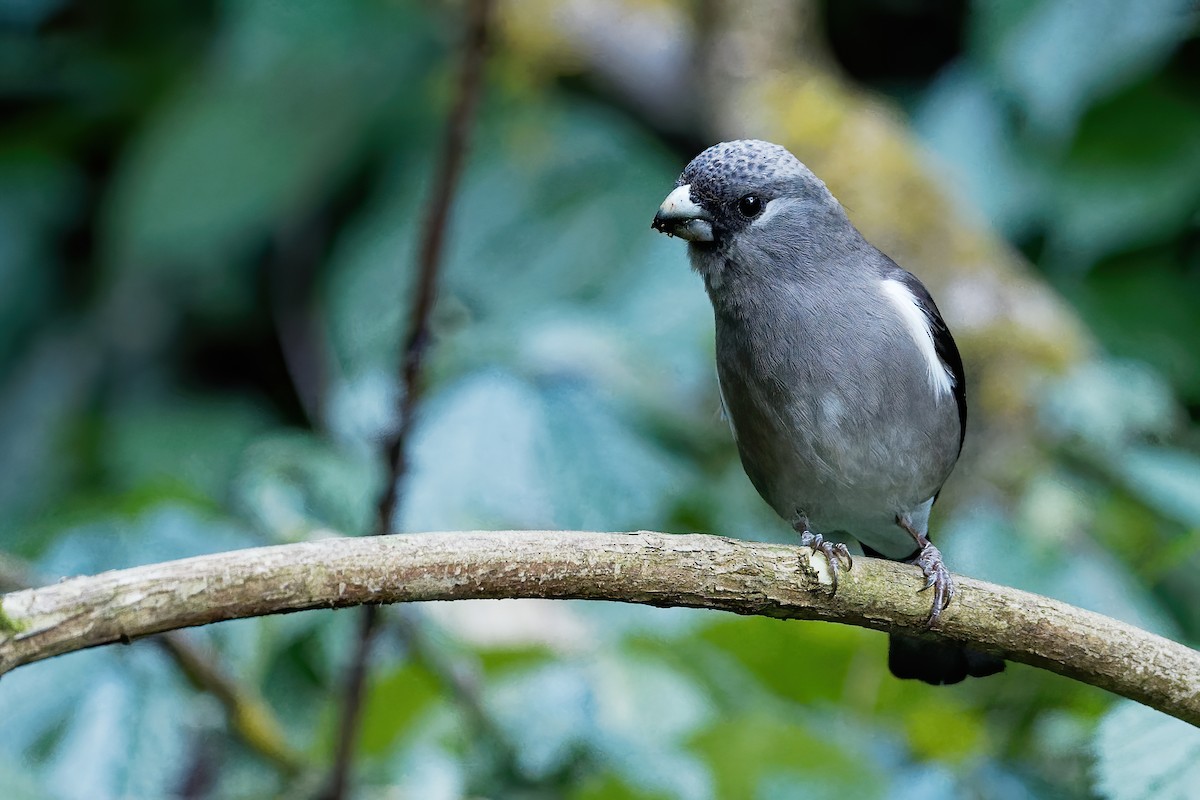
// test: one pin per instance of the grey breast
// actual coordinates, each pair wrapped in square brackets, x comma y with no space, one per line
[831,406]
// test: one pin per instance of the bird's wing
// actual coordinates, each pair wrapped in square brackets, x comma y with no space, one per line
[725,408]
[943,342]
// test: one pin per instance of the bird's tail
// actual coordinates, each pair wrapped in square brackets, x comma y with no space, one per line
[937,663]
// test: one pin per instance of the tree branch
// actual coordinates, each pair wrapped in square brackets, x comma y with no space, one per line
[462,683]
[656,569]
[395,447]
[246,712]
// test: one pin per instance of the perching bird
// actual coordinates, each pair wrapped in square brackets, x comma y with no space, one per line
[841,382]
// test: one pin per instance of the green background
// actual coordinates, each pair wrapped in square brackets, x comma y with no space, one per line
[208,223]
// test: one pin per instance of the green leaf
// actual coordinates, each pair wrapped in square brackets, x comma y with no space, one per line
[1065,564]
[41,398]
[632,715]
[192,442]
[1147,137]
[1142,307]
[1166,479]
[548,714]
[1044,51]
[608,786]
[496,451]
[1106,405]
[370,276]
[98,725]
[593,454]
[292,485]
[965,122]
[549,223]
[393,703]
[748,753]
[429,772]
[161,532]
[37,702]
[36,192]
[269,125]
[475,459]
[125,740]
[1142,754]
[19,782]
[800,661]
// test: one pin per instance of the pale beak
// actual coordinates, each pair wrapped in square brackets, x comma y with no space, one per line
[680,216]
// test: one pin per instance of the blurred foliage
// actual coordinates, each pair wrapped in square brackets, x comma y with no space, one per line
[208,215]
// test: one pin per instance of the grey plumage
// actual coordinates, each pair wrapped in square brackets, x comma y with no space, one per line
[843,387]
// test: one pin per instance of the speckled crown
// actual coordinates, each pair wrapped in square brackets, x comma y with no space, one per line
[740,162]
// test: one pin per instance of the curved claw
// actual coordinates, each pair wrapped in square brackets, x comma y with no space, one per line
[836,553]
[937,577]
[843,554]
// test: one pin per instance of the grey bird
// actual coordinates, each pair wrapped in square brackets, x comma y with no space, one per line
[841,383]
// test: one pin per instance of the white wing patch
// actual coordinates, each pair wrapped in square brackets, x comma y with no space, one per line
[918,325]
[725,409]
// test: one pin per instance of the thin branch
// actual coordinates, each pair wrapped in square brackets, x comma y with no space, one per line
[429,261]
[459,682]
[246,713]
[656,569]
[429,258]
[462,683]
[353,691]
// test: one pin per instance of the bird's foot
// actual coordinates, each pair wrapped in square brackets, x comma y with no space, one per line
[937,577]
[836,554]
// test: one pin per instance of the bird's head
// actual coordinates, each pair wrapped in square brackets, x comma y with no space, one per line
[745,201]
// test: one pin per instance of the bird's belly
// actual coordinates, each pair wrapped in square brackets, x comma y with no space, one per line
[846,463]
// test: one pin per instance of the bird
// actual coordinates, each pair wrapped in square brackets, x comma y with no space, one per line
[842,385]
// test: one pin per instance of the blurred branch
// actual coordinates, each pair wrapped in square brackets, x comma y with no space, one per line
[429,261]
[429,257]
[657,569]
[247,714]
[462,683]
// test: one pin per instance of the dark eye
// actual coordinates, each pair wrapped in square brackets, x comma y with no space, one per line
[750,206]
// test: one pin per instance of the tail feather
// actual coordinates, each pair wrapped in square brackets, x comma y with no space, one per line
[935,663]
[938,663]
